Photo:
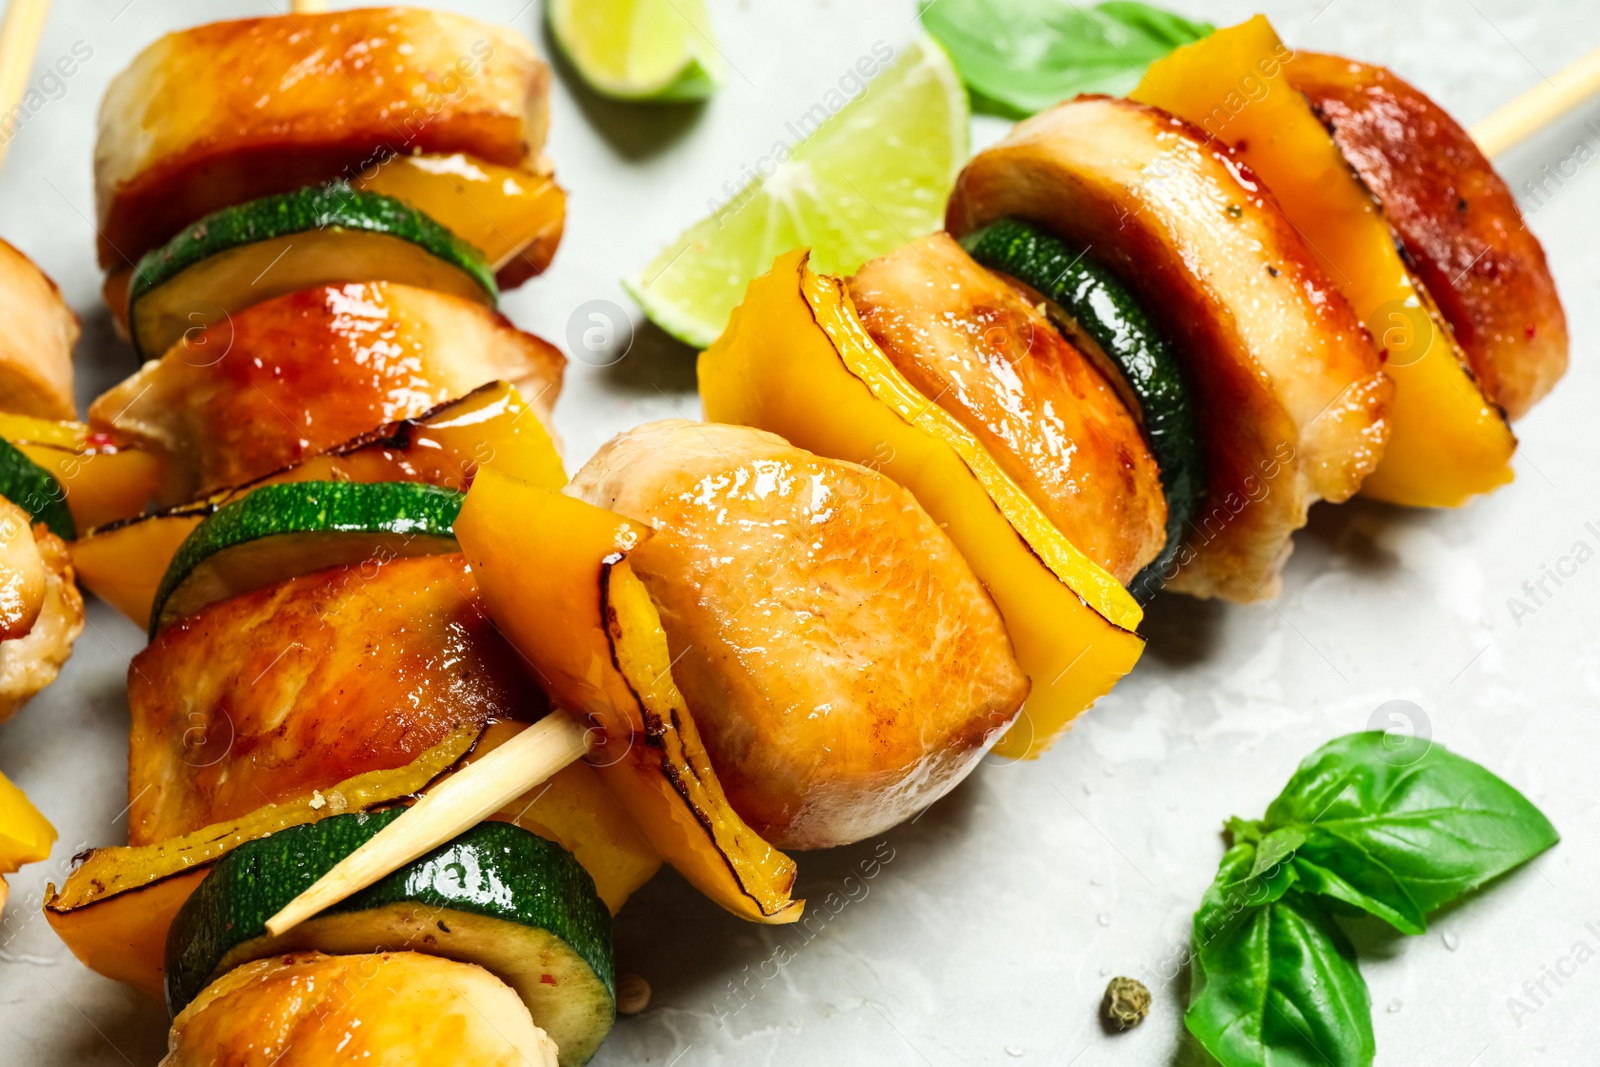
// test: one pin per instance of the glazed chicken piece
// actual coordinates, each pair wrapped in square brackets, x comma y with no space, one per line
[979,348]
[219,114]
[271,694]
[288,378]
[41,610]
[36,344]
[394,1009]
[841,661]
[1290,393]
[1457,221]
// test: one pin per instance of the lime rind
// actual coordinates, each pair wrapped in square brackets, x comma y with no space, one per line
[645,51]
[873,174]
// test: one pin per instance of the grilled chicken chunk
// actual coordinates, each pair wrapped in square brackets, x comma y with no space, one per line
[22,575]
[841,661]
[394,1009]
[1291,396]
[36,344]
[978,348]
[227,112]
[1459,224]
[295,687]
[300,373]
[41,610]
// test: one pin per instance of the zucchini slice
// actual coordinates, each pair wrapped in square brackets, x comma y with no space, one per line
[35,490]
[318,235]
[1092,305]
[280,531]
[508,900]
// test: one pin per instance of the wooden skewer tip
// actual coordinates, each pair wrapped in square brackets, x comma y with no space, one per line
[458,803]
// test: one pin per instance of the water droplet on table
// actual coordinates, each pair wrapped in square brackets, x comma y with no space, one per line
[1451,941]
[1394,1005]
[1103,919]
[1013,1050]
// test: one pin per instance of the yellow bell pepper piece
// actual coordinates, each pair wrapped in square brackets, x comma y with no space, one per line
[795,361]
[552,575]
[123,565]
[1448,441]
[25,835]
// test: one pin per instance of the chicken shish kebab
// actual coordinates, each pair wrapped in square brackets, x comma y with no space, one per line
[1123,366]
[41,611]
[242,753]
[238,161]
[1158,330]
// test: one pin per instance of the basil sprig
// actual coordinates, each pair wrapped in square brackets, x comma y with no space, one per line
[1361,827]
[1021,56]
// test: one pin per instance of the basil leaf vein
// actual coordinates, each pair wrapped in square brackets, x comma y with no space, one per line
[1428,830]
[1275,983]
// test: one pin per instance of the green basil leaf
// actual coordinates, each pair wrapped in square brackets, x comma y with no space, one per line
[1238,889]
[1021,56]
[1423,824]
[1277,985]
[1325,865]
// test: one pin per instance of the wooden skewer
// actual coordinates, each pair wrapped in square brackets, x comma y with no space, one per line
[19,40]
[458,803]
[307,7]
[1539,106]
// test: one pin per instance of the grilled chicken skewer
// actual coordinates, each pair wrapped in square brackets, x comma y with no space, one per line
[304,265]
[638,593]
[1297,402]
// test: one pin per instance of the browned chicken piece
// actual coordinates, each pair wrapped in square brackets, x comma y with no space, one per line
[22,575]
[285,379]
[843,664]
[219,114]
[1290,393]
[36,343]
[394,1009]
[984,351]
[272,694]
[41,610]
[1458,223]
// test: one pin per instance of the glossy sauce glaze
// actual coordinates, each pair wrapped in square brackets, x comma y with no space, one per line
[227,112]
[1291,396]
[843,664]
[41,610]
[1458,223]
[397,1009]
[298,686]
[979,348]
[288,378]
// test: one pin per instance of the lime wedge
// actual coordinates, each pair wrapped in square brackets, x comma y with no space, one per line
[873,174]
[639,49]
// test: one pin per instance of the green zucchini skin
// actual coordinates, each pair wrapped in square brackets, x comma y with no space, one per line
[314,207]
[1112,317]
[495,871]
[36,491]
[341,519]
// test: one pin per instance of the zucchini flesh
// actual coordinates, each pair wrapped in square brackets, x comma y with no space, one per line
[281,531]
[1099,309]
[36,491]
[319,235]
[498,896]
